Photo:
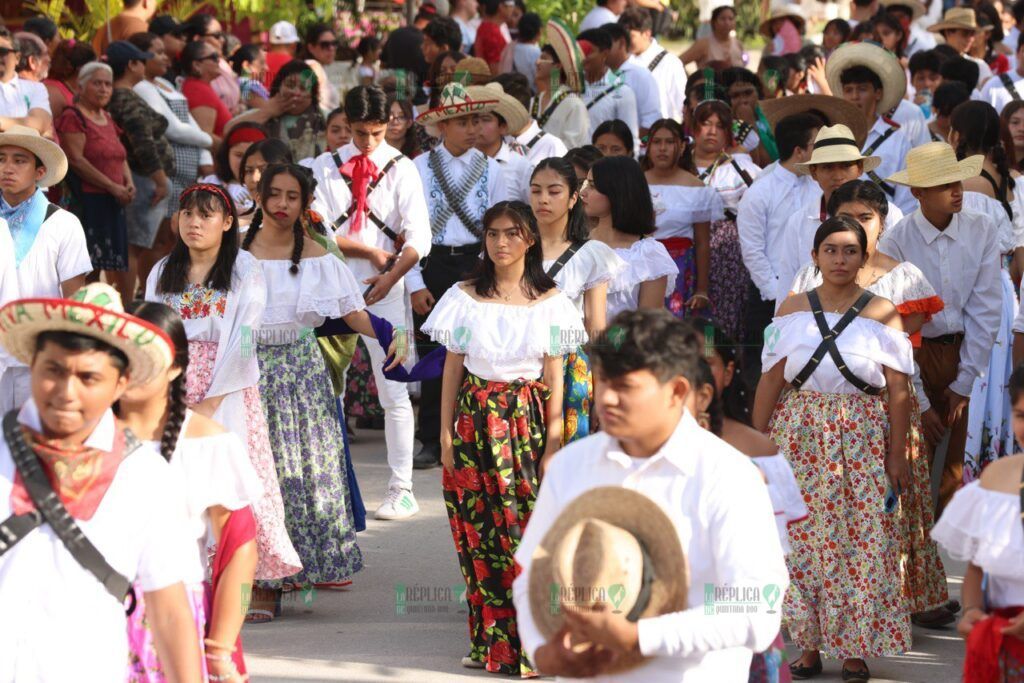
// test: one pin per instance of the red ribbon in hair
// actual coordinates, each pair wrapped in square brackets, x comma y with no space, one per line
[362,171]
[987,643]
[211,188]
[245,134]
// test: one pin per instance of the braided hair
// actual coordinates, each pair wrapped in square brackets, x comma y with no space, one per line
[306,184]
[166,319]
[977,124]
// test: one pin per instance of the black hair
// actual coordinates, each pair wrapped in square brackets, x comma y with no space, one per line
[69,57]
[977,124]
[337,111]
[863,191]
[517,86]
[490,7]
[306,185]
[925,60]
[191,53]
[796,130]
[143,40]
[706,378]
[718,10]
[841,25]
[1017,9]
[298,67]
[312,35]
[367,44]
[735,401]
[576,229]
[780,66]
[946,52]
[622,181]
[600,38]
[367,103]
[535,281]
[987,16]
[963,70]
[948,96]
[274,151]
[859,73]
[636,19]
[797,63]
[894,24]
[195,27]
[445,32]
[865,30]
[617,128]
[584,157]
[737,74]
[559,67]
[221,164]
[44,27]
[1009,110]
[1015,384]
[684,161]
[411,144]
[837,224]
[617,32]
[434,74]
[529,27]
[1020,41]
[164,317]
[246,53]
[78,343]
[648,339]
[164,24]
[174,276]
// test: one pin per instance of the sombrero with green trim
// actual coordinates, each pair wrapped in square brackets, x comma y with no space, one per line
[456,101]
[569,54]
[96,311]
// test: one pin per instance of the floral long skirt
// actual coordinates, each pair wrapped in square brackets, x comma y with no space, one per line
[989,420]
[728,279]
[846,594]
[924,577]
[309,451]
[681,251]
[276,554]
[489,495]
[361,387]
[578,390]
[143,663]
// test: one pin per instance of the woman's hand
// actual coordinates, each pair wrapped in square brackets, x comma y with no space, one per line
[398,351]
[698,301]
[122,194]
[816,72]
[969,619]
[898,470]
[448,457]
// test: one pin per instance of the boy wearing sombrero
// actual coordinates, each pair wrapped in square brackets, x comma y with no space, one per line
[460,183]
[642,531]
[958,252]
[873,79]
[959,28]
[558,105]
[51,258]
[492,127]
[530,141]
[85,512]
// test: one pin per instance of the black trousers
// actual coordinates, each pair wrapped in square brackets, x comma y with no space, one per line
[441,270]
[759,317]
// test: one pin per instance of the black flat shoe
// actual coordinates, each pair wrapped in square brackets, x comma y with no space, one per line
[934,618]
[428,458]
[858,675]
[802,672]
[953,606]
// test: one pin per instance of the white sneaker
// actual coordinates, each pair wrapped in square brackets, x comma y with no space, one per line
[398,504]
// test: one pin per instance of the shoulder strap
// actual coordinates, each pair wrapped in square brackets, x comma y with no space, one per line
[880,139]
[657,60]
[1022,496]
[569,252]
[747,180]
[1010,86]
[999,190]
[828,343]
[535,140]
[50,210]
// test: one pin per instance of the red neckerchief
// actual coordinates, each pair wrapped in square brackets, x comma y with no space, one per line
[986,645]
[362,171]
[823,216]
[80,475]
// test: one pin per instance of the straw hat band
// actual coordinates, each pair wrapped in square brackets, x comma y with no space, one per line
[829,142]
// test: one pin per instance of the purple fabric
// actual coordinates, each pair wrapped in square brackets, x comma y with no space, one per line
[430,366]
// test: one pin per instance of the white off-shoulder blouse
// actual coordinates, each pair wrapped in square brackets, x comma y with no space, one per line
[677,208]
[595,263]
[647,259]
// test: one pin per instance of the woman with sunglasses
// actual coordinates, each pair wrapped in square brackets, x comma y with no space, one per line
[321,51]
[199,63]
[205,28]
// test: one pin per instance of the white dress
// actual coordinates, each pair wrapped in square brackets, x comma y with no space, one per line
[647,259]
[594,264]
[677,208]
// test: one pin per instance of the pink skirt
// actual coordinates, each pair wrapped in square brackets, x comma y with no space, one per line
[143,663]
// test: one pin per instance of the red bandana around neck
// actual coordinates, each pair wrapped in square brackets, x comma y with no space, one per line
[362,171]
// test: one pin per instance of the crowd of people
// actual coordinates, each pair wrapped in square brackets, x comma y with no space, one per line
[660,326]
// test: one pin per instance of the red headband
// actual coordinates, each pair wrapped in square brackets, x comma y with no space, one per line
[246,134]
[211,188]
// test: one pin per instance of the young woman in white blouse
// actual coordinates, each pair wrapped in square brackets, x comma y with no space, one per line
[506,330]
[582,269]
[616,194]
[839,347]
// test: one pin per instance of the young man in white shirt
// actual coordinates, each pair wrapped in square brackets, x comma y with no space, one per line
[51,257]
[372,197]
[529,141]
[492,127]
[459,183]
[640,80]
[645,369]
[959,27]
[1006,88]
[958,252]
[666,68]
[604,12]
[22,102]
[607,97]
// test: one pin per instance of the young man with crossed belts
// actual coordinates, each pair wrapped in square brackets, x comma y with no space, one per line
[529,141]
[607,96]
[460,183]
[666,68]
[1006,88]
[371,195]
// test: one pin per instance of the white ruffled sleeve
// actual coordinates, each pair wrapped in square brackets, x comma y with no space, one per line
[784,492]
[886,346]
[983,527]
[706,207]
[236,366]
[594,264]
[806,279]
[326,287]
[780,340]
[218,472]
[648,259]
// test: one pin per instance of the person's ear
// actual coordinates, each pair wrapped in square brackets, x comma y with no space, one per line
[681,390]
[40,172]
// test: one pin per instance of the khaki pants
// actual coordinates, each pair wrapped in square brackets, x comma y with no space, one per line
[939,365]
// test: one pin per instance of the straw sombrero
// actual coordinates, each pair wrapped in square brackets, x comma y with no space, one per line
[917,9]
[475,68]
[456,102]
[508,107]
[835,110]
[836,144]
[876,58]
[48,152]
[95,310]
[780,12]
[570,56]
[610,545]
[957,18]
[936,164]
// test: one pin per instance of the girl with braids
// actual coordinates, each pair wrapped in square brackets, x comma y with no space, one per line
[582,269]
[221,486]
[974,129]
[684,209]
[309,285]
[220,295]
[255,160]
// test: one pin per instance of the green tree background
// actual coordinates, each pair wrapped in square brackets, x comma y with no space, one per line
[573,11]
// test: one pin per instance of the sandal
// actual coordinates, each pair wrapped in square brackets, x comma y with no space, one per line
[259,616]
[803,672]
[264,606]
[933,618]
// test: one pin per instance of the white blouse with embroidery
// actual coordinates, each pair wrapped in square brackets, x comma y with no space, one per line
[647,259]
[677,208]
[595,263]
[503,342]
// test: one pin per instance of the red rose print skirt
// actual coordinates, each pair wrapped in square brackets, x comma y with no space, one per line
[489,494]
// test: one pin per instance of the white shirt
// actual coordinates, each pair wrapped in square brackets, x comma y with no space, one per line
[646,89]
[920,40]
[516,171]
[544,146]
[670,76]
[998,95]
[893,153]
[47,597]
[719,505]
[647,259]
[597,17]
[912,122]
[678,207]
[727,180]
[19,96]
[397,200]
[608,99]
[962,264]
[569,121]
[984,71]
[763,211]
[178,132]
[468,34]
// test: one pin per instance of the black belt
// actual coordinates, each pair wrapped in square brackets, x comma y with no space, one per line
[946,339]
[463,250]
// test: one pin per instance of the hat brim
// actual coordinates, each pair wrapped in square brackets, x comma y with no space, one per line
[829,156]
[454,111]
[916,8]
[641,516]
[49,153]
[569,54]
[148,348]
[951,25]
[765,28]
[508,107]
[965,168]
[878,59]
[835,109]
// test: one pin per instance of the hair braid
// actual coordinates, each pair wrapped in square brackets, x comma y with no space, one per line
[176,407]
[254,227]
[299,233]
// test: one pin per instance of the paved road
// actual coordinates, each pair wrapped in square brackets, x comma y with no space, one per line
[359,634]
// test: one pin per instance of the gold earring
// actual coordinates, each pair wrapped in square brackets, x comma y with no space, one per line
[704,419]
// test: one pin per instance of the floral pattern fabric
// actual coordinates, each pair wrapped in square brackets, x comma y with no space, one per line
[578,392]
[845,597]
[728,279]
[489,496]
[681,251]
[361,387]
[143,663]
[197,301]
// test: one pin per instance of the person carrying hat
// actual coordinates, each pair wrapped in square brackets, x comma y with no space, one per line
[958,252]
[113,512]
[638,529]
[873,79]
[959,28]
[835,160]
[558,105]
[49,251]
[607,96]
[492,127]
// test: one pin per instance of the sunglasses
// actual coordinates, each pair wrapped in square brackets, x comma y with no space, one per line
[4,51]
[219,35]
[326,44]
[209,58]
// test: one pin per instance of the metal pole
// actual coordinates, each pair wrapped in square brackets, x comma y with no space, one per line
[411,7]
